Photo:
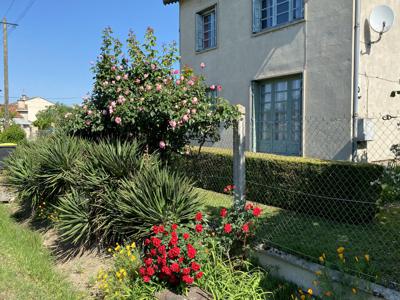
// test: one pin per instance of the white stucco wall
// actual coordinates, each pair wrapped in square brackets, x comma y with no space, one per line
[35,105]
[379,76]
[320,48]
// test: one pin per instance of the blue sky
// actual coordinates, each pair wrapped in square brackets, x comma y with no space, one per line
[51,50]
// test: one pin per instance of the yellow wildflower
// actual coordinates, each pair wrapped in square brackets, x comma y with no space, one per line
[301,292]
[366,256]
[302,297]
[109,250]
[321,259]
[340,250]
[341,256]
[310,291]
[354,290]
[356,258]
[318,273]
[315,282]
[323,255]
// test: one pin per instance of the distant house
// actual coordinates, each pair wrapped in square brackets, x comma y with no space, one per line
[26,109]
[312,86]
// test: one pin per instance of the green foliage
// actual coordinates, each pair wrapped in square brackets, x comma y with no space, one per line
[229,279]
[140,95]
[74,218]
[12,134]
[52,117]
[155,196]
[309,186]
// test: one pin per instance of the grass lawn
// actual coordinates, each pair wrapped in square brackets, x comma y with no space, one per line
[310,236]
[26,267]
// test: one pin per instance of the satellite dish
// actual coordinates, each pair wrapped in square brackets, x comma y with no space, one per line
[381,19]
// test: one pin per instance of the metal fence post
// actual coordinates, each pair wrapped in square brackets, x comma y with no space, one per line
[239,167]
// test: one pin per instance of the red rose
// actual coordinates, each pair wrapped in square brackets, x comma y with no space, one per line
[225,190]
[161,249]
[199,216]
[195,266]
[148,261]
[186,236]
[199,275]
[199,228]
[191,251]
[166,270]
[223,213]
[245,228]
[156,242]
[147,242]
[173,240]
[150,271]
[155,229]
[146,278]
[174,267]
[161,229]
[174,234]
[173,279]
[228,228]
[186,271]
[187,279]
[142,271]
[181,259]
[174,226]
[256,211]
[248,206]
[174,252]
[153,252]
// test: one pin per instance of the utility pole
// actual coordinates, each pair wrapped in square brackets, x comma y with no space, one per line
[6,90]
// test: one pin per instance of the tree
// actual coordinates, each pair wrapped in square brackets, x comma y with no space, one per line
[52,117]
[140,95]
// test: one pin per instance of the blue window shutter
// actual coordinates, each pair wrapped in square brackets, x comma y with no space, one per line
[199,32]
[213,29]
[256,16]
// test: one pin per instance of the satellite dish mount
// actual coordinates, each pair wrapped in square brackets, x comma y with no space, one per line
[381,21]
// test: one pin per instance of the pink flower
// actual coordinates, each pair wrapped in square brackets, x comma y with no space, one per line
[113,68]
[87,122]
[158,87]
[113,104]
[113,82]
[195,100]
[148,87]
[212,87]
[184,102]
[121,99]
[193,111]
[172,123]
[175,72]
[162,145]
[105,83]
[153,67]
[178,82]
[185,118]
[219,88]
[118,120]
[202,65]
[126,76]
[188,111]
[191,82]
[183,78]
[165,81]
[89,112]
[145,76]
[118,78]
[137,80]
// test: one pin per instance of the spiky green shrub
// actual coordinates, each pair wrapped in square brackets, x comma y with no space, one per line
[75,219]
[20,170]
[155,196]
[58,164]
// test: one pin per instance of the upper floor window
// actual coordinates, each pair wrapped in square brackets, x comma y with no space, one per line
[272,13]
[206,29]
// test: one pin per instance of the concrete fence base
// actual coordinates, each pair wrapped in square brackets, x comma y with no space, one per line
[303,274]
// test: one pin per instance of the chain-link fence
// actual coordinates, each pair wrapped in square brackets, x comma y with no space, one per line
[322,200]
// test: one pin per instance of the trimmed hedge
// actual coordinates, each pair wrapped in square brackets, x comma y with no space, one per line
[338,191]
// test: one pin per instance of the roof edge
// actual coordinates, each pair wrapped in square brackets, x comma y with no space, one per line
[170,1]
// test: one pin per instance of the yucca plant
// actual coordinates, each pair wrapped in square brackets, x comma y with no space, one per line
[119,159]
[75,218]
[57,171]
[155,196]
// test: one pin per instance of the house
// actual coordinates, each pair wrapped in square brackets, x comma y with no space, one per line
[316,80]
[26,109]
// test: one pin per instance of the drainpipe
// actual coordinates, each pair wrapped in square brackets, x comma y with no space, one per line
[356,76]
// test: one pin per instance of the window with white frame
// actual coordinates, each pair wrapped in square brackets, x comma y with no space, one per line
[206,29]
[273,13]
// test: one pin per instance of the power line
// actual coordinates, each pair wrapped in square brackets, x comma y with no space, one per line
[9,8]
[25,11]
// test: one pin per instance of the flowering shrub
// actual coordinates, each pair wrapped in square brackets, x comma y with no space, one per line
[141,95]
[173,255]
[236,227]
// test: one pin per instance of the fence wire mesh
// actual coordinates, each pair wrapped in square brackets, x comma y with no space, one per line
[322,201]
